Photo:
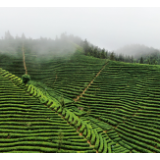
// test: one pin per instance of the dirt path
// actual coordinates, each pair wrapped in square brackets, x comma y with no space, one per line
[24,62]
[78,97]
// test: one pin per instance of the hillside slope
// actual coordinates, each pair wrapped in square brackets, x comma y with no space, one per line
[126,96]
[118,112]
[31,122]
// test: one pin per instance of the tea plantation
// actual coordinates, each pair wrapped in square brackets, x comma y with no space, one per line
[109,106]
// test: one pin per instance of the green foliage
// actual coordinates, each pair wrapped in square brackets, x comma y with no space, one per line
[64,112]
[89,134]
[124,109]
[112,56]
[141,60]
[43,99]
[105,146]
[79,123]
[97,140]
[60,110]
[61,100]
[86,83]
[100,149]
[82,127]
[26,78]
[93,138]
[60,139]
[67,115]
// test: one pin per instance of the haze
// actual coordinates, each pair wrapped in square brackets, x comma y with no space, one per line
[109,28]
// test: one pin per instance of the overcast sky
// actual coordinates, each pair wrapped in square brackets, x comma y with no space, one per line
[109,28]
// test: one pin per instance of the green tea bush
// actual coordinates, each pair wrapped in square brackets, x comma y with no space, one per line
[100,149]
[70,118]
[82,127]
[60,110]
[49,102]
[97,139]
[60,139]
[67,115]
[88,134]
[64,112]
[43,99]
[93,138]
[61,100]
[105,146]
[74,119]
[78,124]
[85,132]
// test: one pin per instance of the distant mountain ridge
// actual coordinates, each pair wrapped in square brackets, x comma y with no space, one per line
[137,50]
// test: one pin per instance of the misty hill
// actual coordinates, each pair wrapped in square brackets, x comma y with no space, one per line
[63,45]
[138,51]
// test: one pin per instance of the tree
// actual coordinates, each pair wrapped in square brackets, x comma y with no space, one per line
[134,60]
[145,61]
[149,61]
[85,46]
[156,62]
[88,54]
[131,60]
[26,78]
[91,51]
[121,57]
[99,55]
[141,60]
[95,51]
[8,36]
[23,37]
[106,54]
[112,56]
[63,36]
[103,54]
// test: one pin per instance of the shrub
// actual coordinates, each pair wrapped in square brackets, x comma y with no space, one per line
[61,100]
[26,78]
[60,139]
[93,138]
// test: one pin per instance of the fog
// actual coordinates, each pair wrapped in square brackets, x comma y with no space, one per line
[109,28]
[137,50]
[63,46]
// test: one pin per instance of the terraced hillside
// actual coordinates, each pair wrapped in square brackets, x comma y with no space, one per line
[68,76]
[118,112]
[31,122]
[126,96]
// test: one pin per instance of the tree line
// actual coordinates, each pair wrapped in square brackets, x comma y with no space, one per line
[65,45]
[91,50]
